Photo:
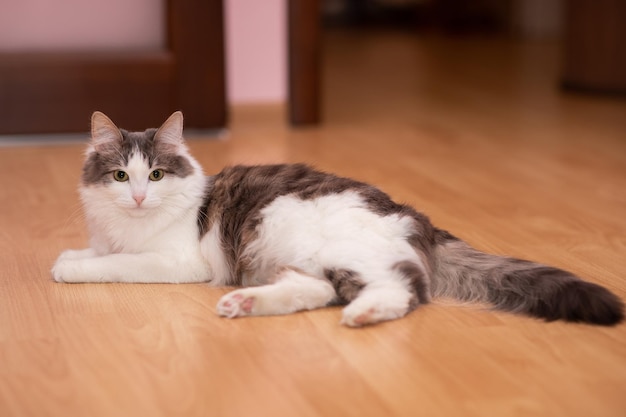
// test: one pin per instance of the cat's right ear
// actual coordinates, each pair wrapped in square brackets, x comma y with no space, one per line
[104,133]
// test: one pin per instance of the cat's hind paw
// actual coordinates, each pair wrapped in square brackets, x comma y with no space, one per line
[373,308]
[235,304]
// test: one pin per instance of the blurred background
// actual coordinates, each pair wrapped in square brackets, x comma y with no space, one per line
[139,61]
[503,120]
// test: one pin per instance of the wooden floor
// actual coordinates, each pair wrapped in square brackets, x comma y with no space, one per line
[473,132]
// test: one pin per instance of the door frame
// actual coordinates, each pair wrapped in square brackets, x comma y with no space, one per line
[140,89]
[303,51]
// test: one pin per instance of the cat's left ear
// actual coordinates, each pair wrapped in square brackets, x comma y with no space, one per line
[170,133]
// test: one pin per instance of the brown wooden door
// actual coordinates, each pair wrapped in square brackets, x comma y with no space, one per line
[594,47]
[47,92]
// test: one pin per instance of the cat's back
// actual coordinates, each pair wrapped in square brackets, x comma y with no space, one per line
[240,191]
[280,179]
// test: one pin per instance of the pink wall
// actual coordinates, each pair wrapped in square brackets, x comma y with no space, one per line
[255,35]
[256,50]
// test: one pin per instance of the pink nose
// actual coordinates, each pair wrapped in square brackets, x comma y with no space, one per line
[139,199]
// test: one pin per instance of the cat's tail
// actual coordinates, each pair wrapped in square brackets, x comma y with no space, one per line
[464,273]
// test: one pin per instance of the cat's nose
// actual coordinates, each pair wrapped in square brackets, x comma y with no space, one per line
[139,199]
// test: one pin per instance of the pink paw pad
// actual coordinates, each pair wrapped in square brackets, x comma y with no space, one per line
[247,304]
[365,318]
[235,305]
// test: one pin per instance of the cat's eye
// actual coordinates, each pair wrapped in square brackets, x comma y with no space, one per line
[156,175]
[120,176]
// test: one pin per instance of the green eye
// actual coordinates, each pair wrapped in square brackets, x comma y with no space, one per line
[120,176]
[156,175]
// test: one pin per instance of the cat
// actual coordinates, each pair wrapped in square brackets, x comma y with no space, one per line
[293,238]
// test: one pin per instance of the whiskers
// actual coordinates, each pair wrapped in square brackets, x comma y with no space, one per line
[203,220]
[76,214]
[175,205]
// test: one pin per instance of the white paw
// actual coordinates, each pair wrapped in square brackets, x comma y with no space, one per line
[66,270]
[362,312]
[236,304]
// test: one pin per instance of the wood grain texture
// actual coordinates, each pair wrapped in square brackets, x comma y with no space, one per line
[472,132]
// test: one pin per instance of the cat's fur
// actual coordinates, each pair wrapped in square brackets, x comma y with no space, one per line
[293,237]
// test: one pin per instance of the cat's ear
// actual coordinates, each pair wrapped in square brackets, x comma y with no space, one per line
[104,133]
[170,133]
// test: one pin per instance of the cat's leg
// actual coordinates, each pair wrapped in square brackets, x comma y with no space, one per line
[292,291]
[378,302]
[139,268]
[96,246]
[387,297]
[77,254]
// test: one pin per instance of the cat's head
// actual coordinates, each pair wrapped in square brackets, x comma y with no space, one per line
[138,171]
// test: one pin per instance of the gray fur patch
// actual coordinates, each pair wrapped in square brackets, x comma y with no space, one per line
[418,282]
[102,162]
[347,284]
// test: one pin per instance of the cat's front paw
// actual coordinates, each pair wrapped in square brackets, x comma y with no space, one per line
[235,304]
[66,270]
[69,265]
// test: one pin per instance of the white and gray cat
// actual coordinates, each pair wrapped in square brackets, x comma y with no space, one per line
[294,238]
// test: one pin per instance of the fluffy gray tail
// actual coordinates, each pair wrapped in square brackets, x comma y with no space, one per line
[463,273]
